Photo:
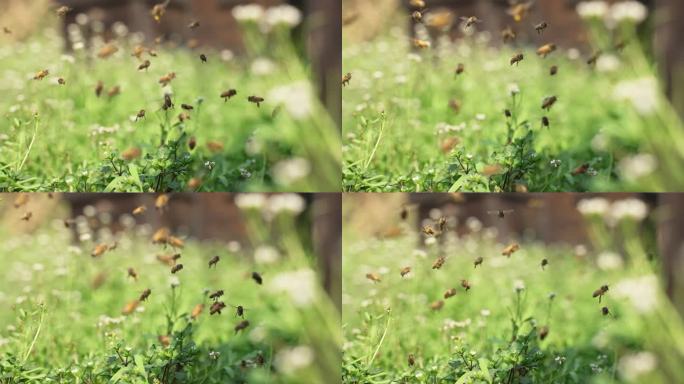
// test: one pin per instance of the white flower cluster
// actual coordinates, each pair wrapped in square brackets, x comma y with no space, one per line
[297,99]
[637,364]
[642,93]
[290,360]
[623,11]
[299,286]
[631,208]
[268,18]
[642,292]
[638,166]
[288,172]
[270,206]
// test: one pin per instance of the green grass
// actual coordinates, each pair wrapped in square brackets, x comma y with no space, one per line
[59,326]
[52,138]
[397,115]
[490,334]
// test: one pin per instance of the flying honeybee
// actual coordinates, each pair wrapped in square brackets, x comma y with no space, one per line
[470,21]
[405,271]
[517,58]
[510,249]
[215,295]
[422,44]
[507,34]
[145,294]
[256,100]
[600,292]
[214,260]
[548,102]
[99,250]
[161,236]
[61,81]
[215,146]
[130,307]
[176,242]
[187,107]
[460,68]
[166,79]
[451,292]
[228,94]
[140,115]
[478,261]
[417,16]
[144,65]
[241,326]
[114,91]
[580,170]
[403,214]
[594,58]
[442,224]
[543,332]
[545,122]
[541,27]
[132,273]
[168,103]
[63,10]
[466,285]
[21,200]
[203,57]
[429,231]
[605,311]
[131,153]
[98,88]
[27,216]
[257,278]
[161,202]
[420,4]
[139,210]
[350,18]
[193,24]
[439,262]
[455,105]
[40,75]
[217,307]
[7,31]
[520,10]
[107,51]
[158,10]
[437,305]
[192,142]
[176,268]
[411,360]
[138,51]
[544,263]
[546,50]
[374,277]
[346,79]
[197,310]
[554,70]
[620,45]
[501,213]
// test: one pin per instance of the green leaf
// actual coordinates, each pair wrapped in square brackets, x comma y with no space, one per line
[140,365]
[458,184]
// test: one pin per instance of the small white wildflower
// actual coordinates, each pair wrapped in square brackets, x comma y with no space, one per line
[300,286]
[430,241]
[638,166]
[485,312]
[248,12]
[592,9]
[630,11]
[227,55]
[262,66]
[297,99]
[474,224]
[642,93]
[607,63]
[287,172]
[291,203]
[480,117]
[513,89]
[250,200]
[290,360]
[642,292]
[285,14]
[593,206]
[559,360]
[266,254]
[631,208]
[555,163]
[214,355]
[609,261]
[634,365]
[519,285]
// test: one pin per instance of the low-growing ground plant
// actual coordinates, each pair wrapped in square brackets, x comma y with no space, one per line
[118,308]
[472,114]
[126,114]
[433,307]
